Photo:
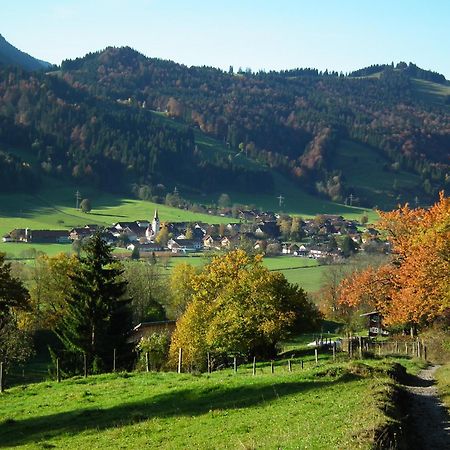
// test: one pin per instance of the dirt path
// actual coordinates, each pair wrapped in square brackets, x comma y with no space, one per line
[428,419]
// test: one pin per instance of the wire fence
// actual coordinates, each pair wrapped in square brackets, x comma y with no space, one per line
[323,351]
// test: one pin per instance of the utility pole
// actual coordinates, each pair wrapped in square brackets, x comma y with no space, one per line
[351,199]
[280,200]
[78,198]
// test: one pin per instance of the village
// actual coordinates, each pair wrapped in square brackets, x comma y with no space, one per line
[329,238]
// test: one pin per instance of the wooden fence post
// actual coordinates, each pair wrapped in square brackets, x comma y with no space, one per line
[254,365]
[114,360]
[396,346]
[180,359]
[208,361]
[271,367]
[406,348]
[85,365]
[360,346]
[1,377]
[290,366]
[58,375]
[147,362]
[316,354]
[425,352]
[235,364]
[302,363]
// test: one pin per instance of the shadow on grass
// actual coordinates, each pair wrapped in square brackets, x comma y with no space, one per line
[185,402]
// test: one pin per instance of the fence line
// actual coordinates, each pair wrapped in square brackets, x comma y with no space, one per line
[348,348]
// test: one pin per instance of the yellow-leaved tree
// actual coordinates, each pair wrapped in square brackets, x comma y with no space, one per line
[238,307]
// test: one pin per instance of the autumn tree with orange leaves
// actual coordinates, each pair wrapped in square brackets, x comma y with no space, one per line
[414,287]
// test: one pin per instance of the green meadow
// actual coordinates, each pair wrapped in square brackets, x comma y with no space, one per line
[328,406]
[364,169]
[303,271]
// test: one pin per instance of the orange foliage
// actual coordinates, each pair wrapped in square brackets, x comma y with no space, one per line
[415,287]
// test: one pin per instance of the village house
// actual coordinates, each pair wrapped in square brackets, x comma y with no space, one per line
[38,236]
[184,245]
[146,247]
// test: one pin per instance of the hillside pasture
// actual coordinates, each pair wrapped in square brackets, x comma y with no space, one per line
[366,171]
[53,207]
[324,407]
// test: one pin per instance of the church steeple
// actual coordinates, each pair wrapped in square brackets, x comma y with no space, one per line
[156,225]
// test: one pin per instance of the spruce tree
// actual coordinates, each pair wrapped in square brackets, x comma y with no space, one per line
[98,315]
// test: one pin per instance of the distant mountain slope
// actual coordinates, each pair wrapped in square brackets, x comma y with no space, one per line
[107,144]
[116,118]
[11,56]
[293,121]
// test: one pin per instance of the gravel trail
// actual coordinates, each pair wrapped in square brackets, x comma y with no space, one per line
[428,418]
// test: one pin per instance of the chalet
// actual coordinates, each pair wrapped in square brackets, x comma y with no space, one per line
[211,243]
[198,232]
[302,251]
[145,329]
[233,228]
[269,229]
[79,233]
[146,247]
[225,242]
[247,214]
[184,245]
[289,249]
[47,236]
[260,245]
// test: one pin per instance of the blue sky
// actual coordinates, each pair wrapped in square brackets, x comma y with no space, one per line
[265,34]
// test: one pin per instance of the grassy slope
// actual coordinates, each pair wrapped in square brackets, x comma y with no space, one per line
[296,200]
[443,380]
[430,92]
[362,167]
[313,408]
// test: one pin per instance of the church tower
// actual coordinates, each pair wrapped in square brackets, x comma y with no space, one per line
[156,225]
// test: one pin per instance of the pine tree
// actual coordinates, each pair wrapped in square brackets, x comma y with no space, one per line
[98,316]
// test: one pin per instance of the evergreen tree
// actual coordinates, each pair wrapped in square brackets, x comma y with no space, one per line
[98,316]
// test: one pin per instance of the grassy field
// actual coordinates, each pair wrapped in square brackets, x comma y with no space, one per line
[362,167]
[325,407]
[296,202]
[54,208]
[432,92]
[303,271]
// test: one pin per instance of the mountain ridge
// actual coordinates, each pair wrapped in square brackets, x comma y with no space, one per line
[10,55]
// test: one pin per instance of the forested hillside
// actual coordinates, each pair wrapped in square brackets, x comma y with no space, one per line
[98,141]
[291,120]
[95,121]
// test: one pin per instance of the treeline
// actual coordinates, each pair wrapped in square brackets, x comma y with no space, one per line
[98,141]
[411,70]
[282,118]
